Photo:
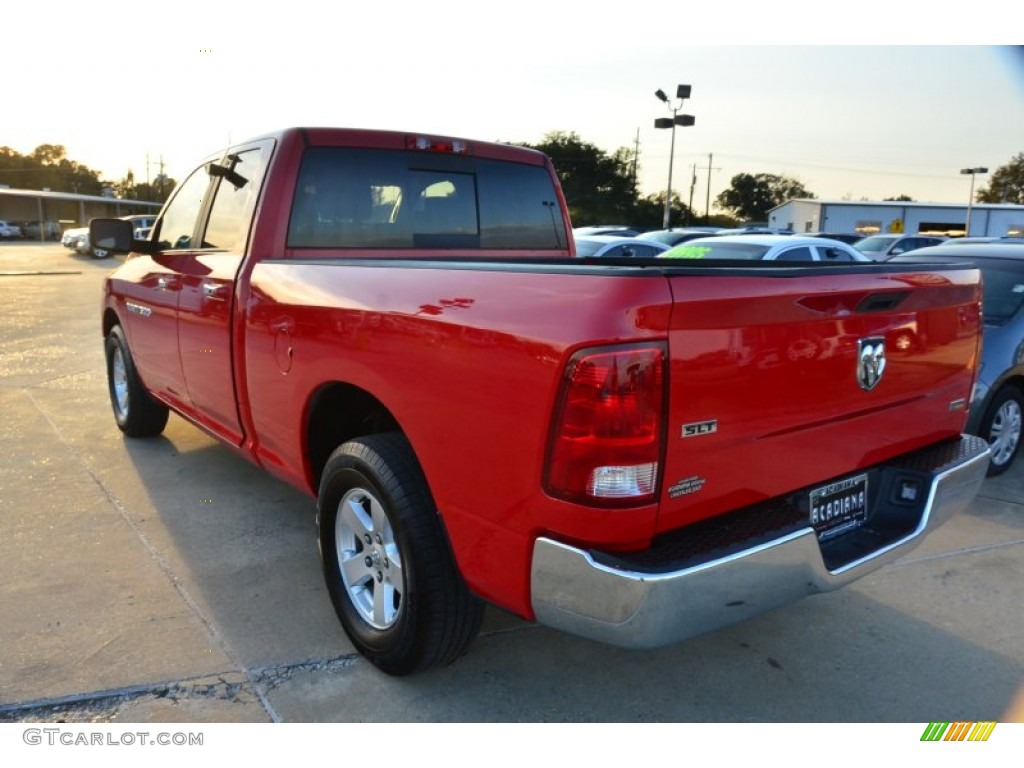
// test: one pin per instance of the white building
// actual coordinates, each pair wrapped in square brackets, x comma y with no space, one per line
[870,217]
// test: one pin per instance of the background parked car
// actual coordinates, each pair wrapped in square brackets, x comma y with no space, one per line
[672,237]
[77,239]
[620,230]
[884,247]
[142,224]
[612,247]
[754,230]
[30,230]
[766,248]
[844,237]
[998,401]
[9,231]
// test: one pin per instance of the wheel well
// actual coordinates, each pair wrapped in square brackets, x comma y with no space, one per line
[110,319]
[1017,382]
[337,413]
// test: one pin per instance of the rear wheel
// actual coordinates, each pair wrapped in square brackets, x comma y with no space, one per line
[388,567]
[136,413]
[1001,427]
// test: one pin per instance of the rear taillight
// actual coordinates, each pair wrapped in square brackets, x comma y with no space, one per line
[608,427]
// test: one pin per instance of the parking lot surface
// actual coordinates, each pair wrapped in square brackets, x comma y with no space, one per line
[167,580]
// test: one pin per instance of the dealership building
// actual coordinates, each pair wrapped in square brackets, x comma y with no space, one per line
[870,218]
[44,215]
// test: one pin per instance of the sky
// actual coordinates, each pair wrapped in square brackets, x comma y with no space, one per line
[856,118]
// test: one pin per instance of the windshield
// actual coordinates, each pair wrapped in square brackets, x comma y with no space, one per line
[874,244]
[588,247]
[716,250]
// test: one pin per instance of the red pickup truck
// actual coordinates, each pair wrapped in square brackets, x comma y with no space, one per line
[635,451]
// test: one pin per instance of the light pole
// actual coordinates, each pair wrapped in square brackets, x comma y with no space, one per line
[682,93]
[970,172]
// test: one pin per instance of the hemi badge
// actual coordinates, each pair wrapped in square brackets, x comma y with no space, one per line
[959,404]
[699,428]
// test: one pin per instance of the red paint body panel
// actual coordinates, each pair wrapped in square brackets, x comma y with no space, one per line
[778,376]
[470,376]
[468,357]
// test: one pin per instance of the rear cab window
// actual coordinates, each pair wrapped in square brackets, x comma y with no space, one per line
[357,198]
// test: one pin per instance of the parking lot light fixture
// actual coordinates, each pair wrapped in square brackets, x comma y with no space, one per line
[682,93]
[972,172]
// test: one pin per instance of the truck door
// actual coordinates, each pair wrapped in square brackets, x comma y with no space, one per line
[207,294]
[152,286]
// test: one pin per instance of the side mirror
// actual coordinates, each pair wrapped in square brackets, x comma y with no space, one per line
[117,236]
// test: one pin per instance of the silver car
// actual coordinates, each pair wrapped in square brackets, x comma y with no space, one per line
[999,392]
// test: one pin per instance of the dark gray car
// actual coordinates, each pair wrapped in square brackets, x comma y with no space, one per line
[885,247]
[999,392]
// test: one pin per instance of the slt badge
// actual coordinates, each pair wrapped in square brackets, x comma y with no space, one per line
[870,362]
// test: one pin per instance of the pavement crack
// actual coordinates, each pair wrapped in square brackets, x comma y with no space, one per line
[165,566]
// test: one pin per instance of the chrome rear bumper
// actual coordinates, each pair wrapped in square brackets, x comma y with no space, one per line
[606,598]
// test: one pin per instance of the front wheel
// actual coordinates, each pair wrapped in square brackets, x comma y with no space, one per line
[136,413]
[388,567]
[1001,427]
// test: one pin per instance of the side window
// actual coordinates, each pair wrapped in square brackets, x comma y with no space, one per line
[834,254]
[227,227]
[803,253]
[179,220]
[646,251]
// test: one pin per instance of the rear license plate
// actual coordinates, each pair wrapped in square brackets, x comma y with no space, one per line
[840,506]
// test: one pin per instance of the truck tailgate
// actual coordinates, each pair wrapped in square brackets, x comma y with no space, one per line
[783,379]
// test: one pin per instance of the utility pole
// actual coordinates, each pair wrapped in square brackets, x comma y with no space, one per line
[636,156]
[693,183]
[707,201]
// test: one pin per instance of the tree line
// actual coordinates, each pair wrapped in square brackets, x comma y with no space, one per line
[48,167]
[599,187]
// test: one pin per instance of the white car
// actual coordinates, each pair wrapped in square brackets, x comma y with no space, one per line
[767,248]
[9,231]
[614,247]
[77,239]
[142,225]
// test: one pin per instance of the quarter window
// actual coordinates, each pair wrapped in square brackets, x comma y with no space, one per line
[796,254]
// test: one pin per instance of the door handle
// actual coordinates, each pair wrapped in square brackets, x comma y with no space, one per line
[215,291]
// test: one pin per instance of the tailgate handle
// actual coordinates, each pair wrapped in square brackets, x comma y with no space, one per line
[882,302]
[841,304]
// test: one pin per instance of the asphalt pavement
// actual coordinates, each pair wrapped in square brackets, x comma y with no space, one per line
[167,580]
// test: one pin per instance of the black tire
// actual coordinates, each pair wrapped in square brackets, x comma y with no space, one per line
[136,413]
[376,513]
[1001,427]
